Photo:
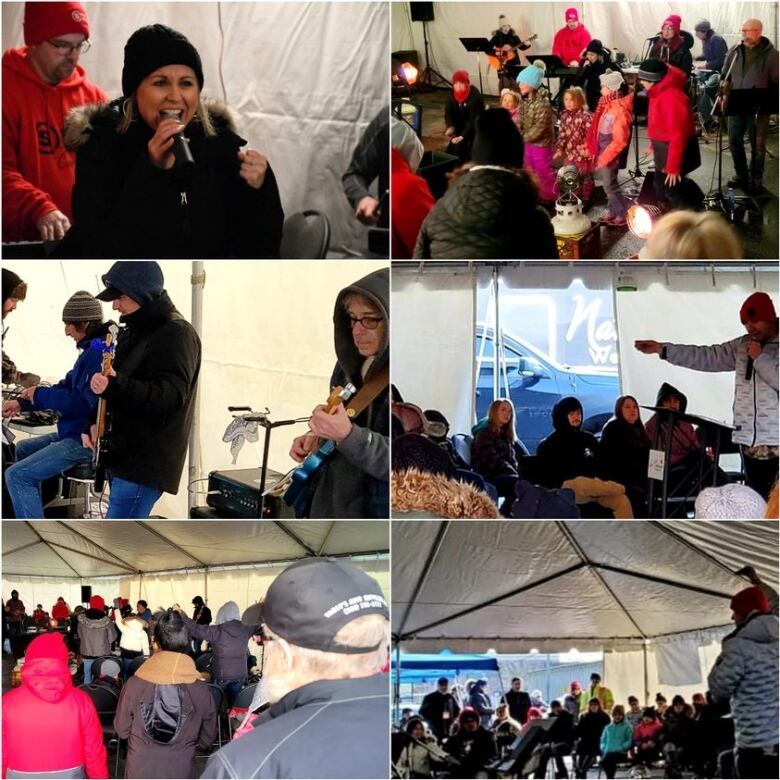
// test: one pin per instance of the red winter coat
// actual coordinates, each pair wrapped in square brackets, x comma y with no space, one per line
[568,45]
[60,611]
[617,116]
[38,172]
[411,202]
[48,725]
[669,117]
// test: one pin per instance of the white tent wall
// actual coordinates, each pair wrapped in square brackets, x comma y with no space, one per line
[46,590]
[304,78]
[433,336]
[684,308]
[267,341]
[621,26]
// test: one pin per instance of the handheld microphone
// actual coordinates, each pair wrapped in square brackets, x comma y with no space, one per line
[181,149]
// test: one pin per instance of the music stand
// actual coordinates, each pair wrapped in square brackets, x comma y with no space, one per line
[477,46]
[714,427]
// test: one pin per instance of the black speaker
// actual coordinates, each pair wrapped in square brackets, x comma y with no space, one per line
[86,594]
[422,12]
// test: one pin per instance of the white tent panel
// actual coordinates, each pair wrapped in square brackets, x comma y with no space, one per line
[46,590]
[305,79]
[38,559]
[344,537]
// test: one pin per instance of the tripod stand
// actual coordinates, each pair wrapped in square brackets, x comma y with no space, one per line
[430,77]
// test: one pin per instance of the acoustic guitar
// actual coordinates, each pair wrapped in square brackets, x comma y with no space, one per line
[102,445]
[507,53]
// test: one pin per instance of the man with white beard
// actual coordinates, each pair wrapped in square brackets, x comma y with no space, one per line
[325,637]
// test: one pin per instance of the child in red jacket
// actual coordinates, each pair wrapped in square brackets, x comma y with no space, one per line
[672,133]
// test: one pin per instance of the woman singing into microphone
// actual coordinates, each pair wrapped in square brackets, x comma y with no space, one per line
[136,194]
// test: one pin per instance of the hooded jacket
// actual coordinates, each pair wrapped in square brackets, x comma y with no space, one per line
[624,450]
[463,116]
[165,711]
[71,396]
[616,738]
[312,732]
[568,452]
[669,117]
[676,52]
[493,455]
[124,206]
[746,673]
[151,399]
[762,75]
[228,638]
[713,50]
[613,118]
[569,44]
[46,711]
[684,438]
[417,494]
[38,171]
[96,633]
[589,729]
[755,399]
[134,639]
[478,218]
[411,202]
[354,481]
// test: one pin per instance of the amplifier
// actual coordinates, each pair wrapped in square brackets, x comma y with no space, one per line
[238,494]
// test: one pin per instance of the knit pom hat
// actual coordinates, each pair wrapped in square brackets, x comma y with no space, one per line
[532,75]
[156,46]
[503,21]
[730,502]
[612,79]
[51,20]
[82,307]
[652,70]
[750,600]
[673,20]
[758,307]
[497,141]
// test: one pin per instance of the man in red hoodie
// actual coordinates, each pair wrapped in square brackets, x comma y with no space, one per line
[570,41]
[42,82]
[672,133]
[47,711]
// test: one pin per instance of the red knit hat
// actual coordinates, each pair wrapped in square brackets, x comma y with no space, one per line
[571,13]
[97,602]
[461,75]
[758,308]
[47,646]
[673,20]
[750,600]
[48,20]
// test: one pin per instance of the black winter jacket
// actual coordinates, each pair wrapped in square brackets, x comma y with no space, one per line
[123,206]
[488,214]
[492,455]
[463,116]
[681,57]
[567,452]
[151,399]
[623,451]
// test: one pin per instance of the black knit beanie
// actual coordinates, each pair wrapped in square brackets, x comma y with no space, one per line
[595,47]
[155,46]
[652,70]
[497,140]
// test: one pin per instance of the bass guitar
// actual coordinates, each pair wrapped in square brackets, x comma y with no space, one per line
[302,475]
[102,442]
[507,53]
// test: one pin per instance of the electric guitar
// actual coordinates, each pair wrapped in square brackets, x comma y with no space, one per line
[507,53]
[102,442]
[302,475]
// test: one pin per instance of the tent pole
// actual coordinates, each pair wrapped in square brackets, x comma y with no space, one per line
[647,686]
[498,340]
[198,282]
[397,691]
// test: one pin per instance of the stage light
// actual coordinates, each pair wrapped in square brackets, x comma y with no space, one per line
[641,218]
[410,72]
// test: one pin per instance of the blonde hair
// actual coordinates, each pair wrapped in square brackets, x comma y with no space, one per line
[577,95]
[130,110]
[515,97]
[691,235]
[504,431]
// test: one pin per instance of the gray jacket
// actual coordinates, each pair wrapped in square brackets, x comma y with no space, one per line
[229,646]
[762,75]
[755,399]
[746,673]
[96,633]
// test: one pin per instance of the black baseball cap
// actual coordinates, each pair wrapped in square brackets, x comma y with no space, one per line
[312,599]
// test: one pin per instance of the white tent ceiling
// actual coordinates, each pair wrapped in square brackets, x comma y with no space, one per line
[511,586]
[87,549]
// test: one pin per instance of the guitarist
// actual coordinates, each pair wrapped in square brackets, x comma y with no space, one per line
[150,391]
[42,457]
[353,483]
[505,40]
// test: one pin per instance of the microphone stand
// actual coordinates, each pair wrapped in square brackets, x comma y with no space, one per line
[638,173]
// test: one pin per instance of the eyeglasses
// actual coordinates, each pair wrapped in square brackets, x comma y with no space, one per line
[65,48]
[369,323]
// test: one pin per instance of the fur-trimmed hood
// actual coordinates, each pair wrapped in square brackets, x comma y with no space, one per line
[84,121]
[414,491]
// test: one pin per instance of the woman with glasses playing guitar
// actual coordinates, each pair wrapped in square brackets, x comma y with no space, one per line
[508,55]
[352,481]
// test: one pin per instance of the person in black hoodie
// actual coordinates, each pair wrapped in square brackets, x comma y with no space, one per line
[598,60]
[558,741]
[473,746]
[588,734]
[202,616]
[624,450]
[133,197]
[355,480]
[150,392]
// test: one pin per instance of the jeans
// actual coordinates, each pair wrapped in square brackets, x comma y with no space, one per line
[556,750]
[231,688]
[128,500]
[708,88]
[87,669]
[39,458]
[757,128]
[607,177]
